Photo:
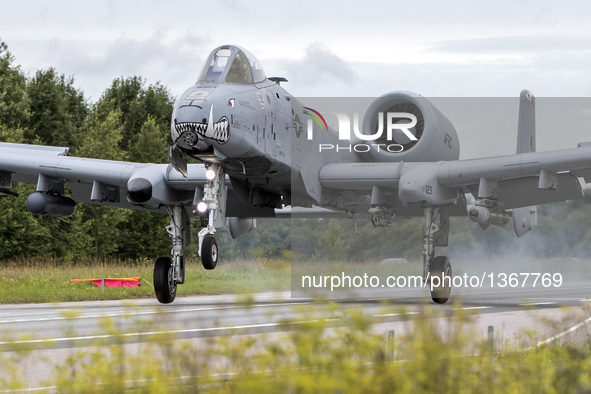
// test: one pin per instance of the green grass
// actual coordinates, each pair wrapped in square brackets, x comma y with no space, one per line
[34,281]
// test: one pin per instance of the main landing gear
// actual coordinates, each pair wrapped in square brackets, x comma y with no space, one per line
[437,272]
[170,271]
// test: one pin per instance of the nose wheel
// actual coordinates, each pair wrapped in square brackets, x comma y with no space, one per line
[209,252]
[213,203]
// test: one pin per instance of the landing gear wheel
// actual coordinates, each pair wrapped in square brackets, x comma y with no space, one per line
[440,267]
[209,252]
[164,283]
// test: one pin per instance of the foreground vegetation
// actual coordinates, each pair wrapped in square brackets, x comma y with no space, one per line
[316,358]
[34,281]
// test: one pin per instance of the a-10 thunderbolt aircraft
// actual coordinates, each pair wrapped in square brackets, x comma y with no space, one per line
[261,150]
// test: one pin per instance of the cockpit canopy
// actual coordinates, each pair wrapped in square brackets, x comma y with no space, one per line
[231,64]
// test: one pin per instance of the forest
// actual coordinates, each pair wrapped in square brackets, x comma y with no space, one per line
[131,121]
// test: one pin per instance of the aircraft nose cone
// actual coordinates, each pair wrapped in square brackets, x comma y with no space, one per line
[139,191]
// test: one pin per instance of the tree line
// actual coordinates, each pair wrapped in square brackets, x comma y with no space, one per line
[131,121]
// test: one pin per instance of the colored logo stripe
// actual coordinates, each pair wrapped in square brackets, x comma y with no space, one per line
[315,118]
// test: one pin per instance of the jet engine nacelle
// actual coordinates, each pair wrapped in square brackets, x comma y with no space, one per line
[50,205]
[435,137]
[240,226]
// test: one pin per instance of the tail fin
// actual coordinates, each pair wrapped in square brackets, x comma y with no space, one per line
[526,127]
[525,218]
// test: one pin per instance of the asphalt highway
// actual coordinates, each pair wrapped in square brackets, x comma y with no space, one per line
[63,325]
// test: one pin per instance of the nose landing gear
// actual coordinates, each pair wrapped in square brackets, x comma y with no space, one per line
[213,206]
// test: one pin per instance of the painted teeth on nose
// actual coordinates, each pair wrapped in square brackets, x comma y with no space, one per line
[221,129]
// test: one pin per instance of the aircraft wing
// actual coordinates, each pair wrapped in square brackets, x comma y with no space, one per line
[106,182]
[513,181]
[26,162]
[523,179]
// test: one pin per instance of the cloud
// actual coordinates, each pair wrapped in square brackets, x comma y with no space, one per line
[320,66]
[520,44]
[173,61]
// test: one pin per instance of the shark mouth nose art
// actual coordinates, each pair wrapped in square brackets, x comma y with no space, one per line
[218,131]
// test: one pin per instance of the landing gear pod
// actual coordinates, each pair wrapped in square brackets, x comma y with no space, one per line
[50,205]
[240,226]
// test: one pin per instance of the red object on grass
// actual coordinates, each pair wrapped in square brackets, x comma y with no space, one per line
[113,282]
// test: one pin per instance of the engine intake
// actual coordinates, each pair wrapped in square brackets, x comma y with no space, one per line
[435,137]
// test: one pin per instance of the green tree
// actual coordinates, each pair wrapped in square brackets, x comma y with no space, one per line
[333,245]
[58,110]
[21,235]
[136,104]
[69,238]
[102,141]
[14,102]
[144,121]
[150,146]
[103,138]
[143,233]
[10,135]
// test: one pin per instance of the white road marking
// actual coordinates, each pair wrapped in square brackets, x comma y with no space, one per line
[31,390]
[150,333]
[139,313]
[537,303]
[469,308]
[395,314]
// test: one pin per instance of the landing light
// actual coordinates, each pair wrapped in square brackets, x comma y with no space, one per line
[202,206]
[210,174]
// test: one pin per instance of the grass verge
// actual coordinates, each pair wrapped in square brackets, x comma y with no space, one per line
[35,281]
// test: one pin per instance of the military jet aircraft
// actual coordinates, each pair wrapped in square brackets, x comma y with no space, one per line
[260,150]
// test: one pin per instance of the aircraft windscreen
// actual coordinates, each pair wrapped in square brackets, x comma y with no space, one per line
[240,70]
[258,75]
[244,68]
[219,60]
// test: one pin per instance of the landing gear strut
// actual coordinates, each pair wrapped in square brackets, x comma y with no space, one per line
[170,271]
[437,272]
[214,194]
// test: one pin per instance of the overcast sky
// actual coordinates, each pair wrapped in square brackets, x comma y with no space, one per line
[324,48]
